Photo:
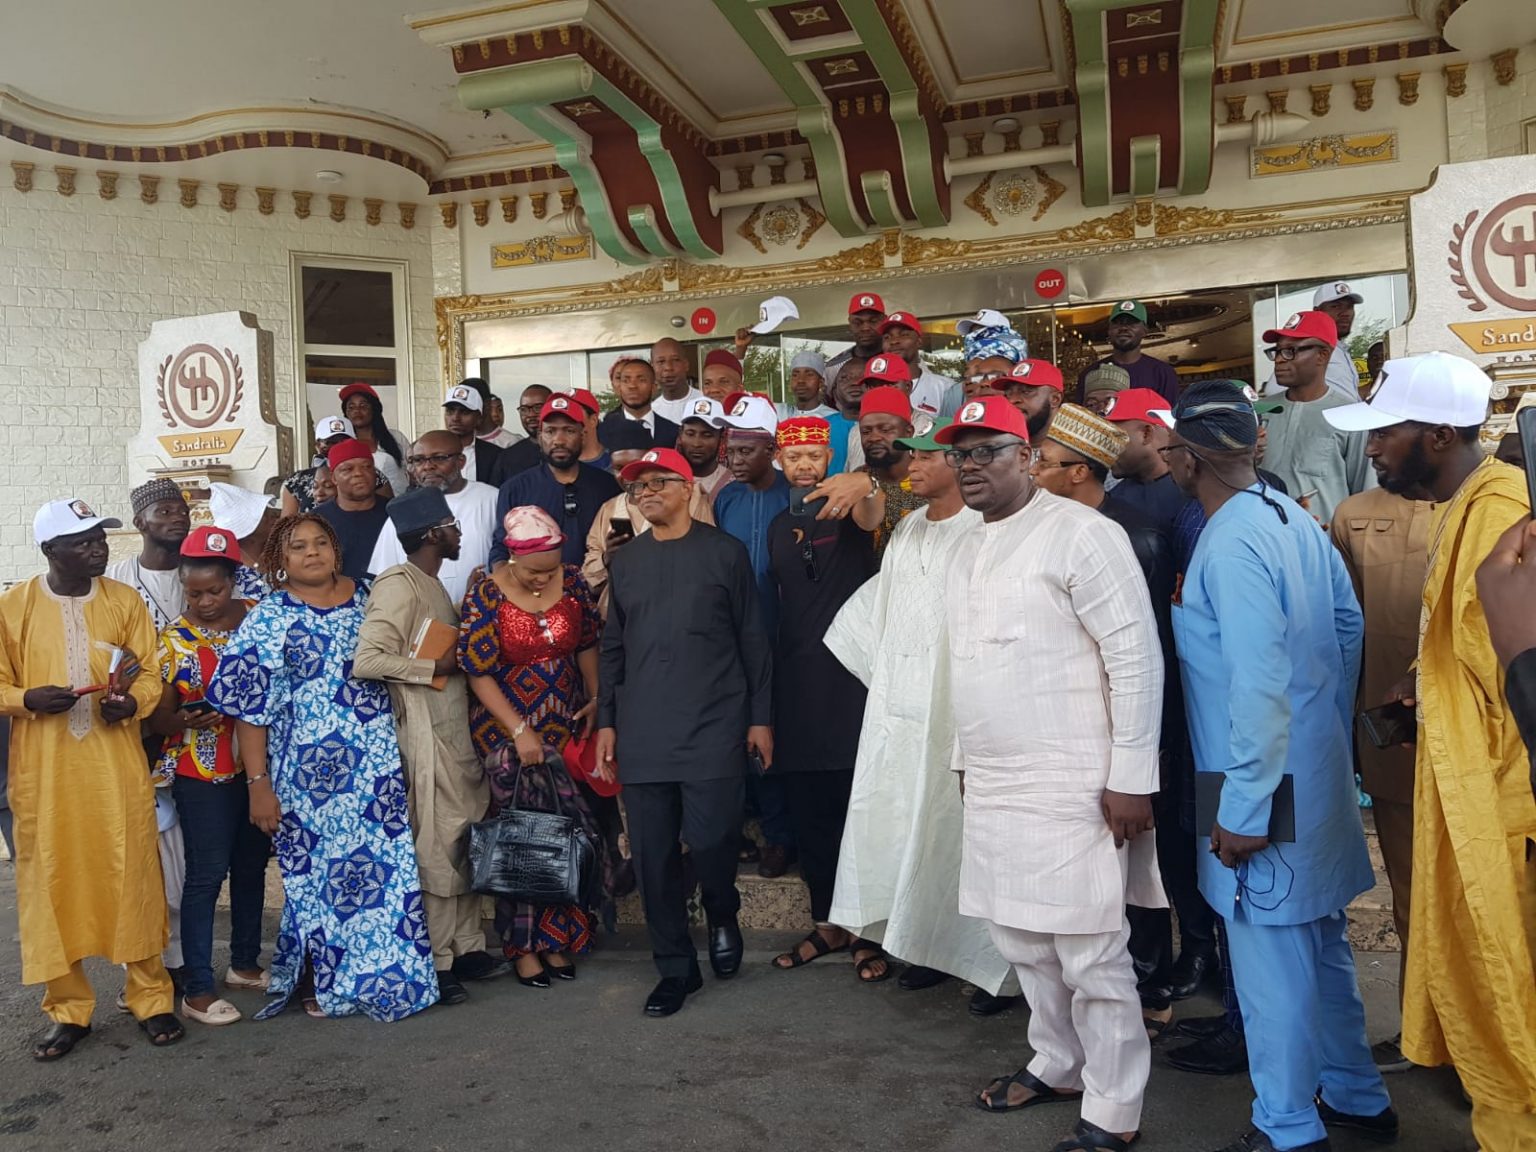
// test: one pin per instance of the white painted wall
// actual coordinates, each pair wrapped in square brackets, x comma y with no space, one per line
[1492,118]
[82,280]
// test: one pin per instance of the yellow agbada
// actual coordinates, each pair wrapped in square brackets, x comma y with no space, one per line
[87,863]
[1471,995]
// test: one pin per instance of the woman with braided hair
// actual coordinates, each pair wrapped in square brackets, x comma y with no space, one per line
[320,758]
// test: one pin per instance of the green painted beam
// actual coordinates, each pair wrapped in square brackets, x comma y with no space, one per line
[1146,163]
[1092,69]
[1197,71]
[812,116]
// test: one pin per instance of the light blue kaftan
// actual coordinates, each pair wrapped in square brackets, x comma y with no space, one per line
[352,903]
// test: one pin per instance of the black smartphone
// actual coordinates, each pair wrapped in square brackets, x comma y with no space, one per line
[197,707]
[800,506]
[622,525]
[1525,424]
[755,762]
[1389,725]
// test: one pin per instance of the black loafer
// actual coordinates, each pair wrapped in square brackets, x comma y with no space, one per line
[916,978]
[668,995]
[480,966]
[983,1003]
[1381,1128]
[1201,1027]
[449,990]
[1255,1141]
[1224,1054]
[1191,972]
[725,949]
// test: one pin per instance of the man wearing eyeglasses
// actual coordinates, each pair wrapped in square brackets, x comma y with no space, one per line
[1269,640]
[525,454]
[436,461]
[819,557]
[1320,465]
[684,696]
[570,491]
[1046,603]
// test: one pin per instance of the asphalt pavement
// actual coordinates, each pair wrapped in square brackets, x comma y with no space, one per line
[772,1061]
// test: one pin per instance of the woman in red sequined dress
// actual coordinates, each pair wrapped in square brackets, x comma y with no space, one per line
[528,643]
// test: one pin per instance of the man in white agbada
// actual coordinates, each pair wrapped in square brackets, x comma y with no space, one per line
[437,461]
[1057,682]
[898,873]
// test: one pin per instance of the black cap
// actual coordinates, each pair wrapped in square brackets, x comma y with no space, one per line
[418,510]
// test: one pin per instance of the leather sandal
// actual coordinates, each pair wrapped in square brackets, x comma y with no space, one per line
[994,1097]
[793,959]
[163,1029]
[216,1015]
[59,1041]
[876,955]
[1088,1137]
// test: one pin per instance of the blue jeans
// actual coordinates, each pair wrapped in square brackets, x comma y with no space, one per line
[220,840]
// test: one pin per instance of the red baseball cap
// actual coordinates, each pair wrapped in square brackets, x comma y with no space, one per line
[891,401]
[357,389]
[348,450]
[1307,326]
[1040,373]
[989,414]
[865,302]
[887,369]
[666,459]
[587,400]
[210,543]
[563,404]
[724,359]
[1138,404]
[902,320]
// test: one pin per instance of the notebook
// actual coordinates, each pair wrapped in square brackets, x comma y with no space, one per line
[1282,808]
[433,641]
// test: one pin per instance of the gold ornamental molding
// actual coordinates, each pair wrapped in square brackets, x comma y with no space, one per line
[894,255]
[541,250]
[1338,151]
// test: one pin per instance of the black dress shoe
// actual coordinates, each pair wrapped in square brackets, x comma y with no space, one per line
[449,990]
[668,995]
[1380,1128]
[983,1003]
[773,861]
[1255,1141]
[1201,1027]
[480,966]
[1224,1054]
[725,948]
[1190,972]
[916,978]
[566,971]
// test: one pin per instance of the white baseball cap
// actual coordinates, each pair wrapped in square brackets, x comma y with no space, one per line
[329,426]
[774,311]
[235,509]
[1338,290]
[465,397]
[1435,388]
[68,517]
[986,318]
[751,414]
[705,409]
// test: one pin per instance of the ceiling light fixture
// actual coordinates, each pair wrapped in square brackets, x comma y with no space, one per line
[329,176]
[773,159]
[1005,124]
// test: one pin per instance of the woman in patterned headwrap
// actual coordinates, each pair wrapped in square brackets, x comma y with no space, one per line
[990,353]
[528,643]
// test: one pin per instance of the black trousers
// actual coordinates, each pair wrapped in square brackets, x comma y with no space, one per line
[706,814]
[818,808]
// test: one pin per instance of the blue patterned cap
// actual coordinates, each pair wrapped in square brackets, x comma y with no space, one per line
[999,343]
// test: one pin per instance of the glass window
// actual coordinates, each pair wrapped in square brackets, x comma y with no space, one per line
[348,306]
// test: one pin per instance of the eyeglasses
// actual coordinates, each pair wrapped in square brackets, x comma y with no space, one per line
[530,409]
[983,454]
[652,484]
[1042,463]
[984,378]
[570,501]
[1293,350]
[1163,452]
[438,458]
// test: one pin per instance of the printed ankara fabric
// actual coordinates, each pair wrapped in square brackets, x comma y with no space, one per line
[352,903]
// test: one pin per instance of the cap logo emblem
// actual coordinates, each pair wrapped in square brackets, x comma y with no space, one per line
[335,427]
[877,365]
[740,409]
[867,301]
[459,393]
[217,543]
[701,407]
[1293,321]
[1022,369]
[972,412]
[650,457]
[559,403]
[762,314]
[1341,288]
[1128,306]
[81,509]
[1110,407]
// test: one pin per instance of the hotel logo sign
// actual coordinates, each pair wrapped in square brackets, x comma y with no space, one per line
[1496,258]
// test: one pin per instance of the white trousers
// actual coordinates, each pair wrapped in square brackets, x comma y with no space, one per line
[1084,1018]
[173,867]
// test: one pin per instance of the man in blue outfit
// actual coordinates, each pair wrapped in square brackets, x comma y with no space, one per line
[1269,639]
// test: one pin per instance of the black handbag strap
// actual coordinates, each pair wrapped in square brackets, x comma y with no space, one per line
[517,781]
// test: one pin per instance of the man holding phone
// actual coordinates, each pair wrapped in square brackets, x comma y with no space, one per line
[819,555]
[1471,993]
[1268,634]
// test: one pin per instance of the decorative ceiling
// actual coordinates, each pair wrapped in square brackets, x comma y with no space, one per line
[658,114]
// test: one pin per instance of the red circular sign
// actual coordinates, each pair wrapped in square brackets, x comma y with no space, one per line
[703,321]
[1050,284]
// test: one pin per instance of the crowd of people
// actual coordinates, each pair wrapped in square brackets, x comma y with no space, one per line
[1013,667]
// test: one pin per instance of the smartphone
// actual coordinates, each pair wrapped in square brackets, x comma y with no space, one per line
[1389,725]
[800,506]
[755,762]
[1525,424]
[198,707]
[622,525]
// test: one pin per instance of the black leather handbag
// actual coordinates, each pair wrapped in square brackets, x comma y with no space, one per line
[532,857]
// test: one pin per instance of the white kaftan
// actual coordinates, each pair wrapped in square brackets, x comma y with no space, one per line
[474,506]
[898,874]
[1057,683]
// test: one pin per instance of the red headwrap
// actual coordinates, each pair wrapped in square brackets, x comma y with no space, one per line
[804,430]
[887,399]
[723,359]
[348,450]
